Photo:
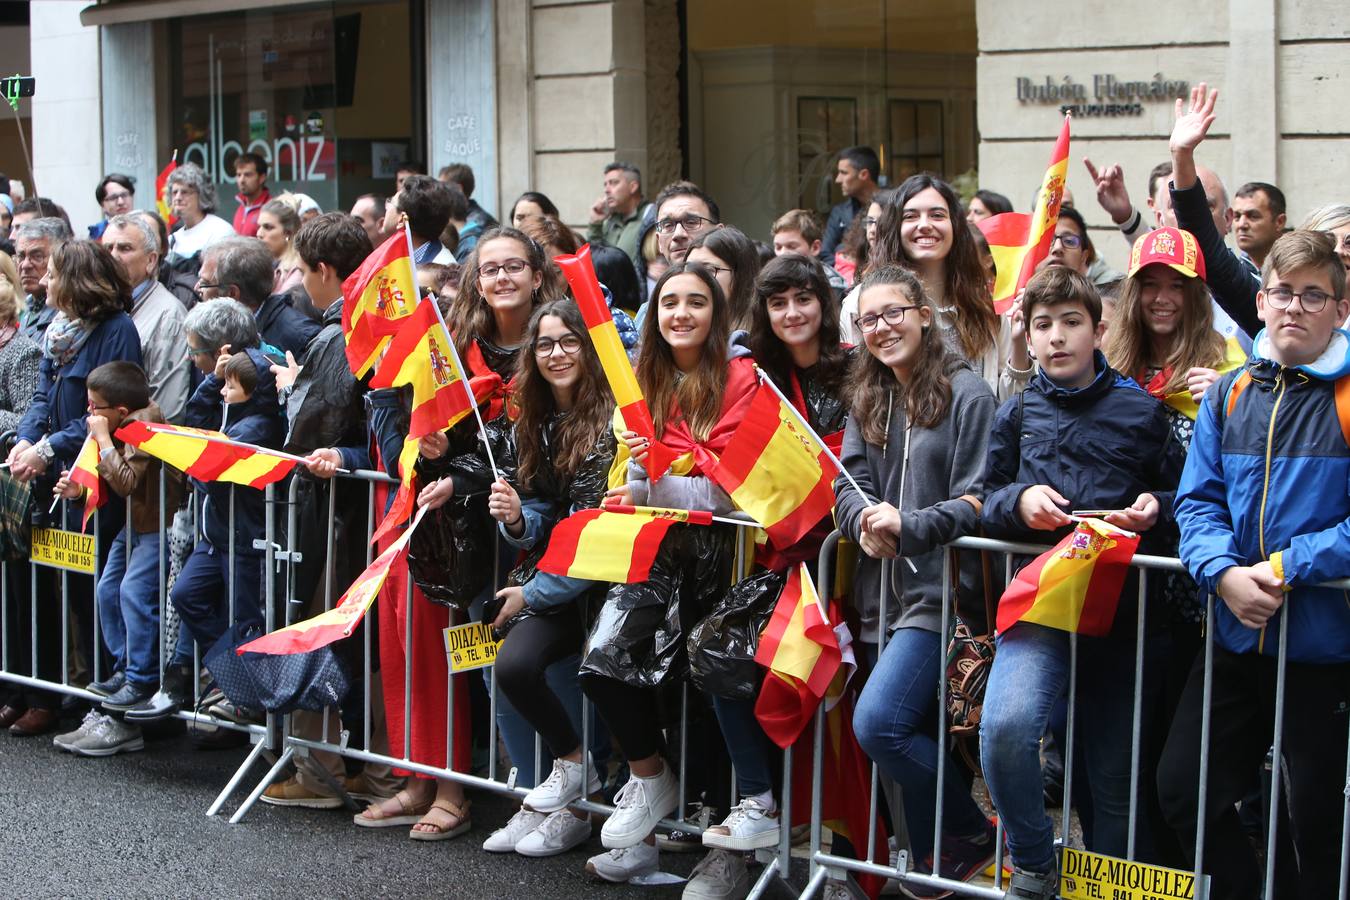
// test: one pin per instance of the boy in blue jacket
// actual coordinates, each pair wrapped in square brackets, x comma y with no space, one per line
[1265,517]
[1080,436]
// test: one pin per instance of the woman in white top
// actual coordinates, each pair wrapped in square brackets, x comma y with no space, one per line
[192,197]
[924,230]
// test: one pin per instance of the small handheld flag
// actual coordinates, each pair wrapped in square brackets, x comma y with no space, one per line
[637,417]
[375,298]
[613,543]
[85,474]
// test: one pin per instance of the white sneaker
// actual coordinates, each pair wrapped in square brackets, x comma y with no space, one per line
[620,865]
[638,806]
[720,876]
[504,839]
[567,783]
[749,826]
[91,718]
[559,833]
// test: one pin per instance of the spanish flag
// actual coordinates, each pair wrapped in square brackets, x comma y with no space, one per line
[85,474]
[162,204]
[599,321]
[803,653]
[1075,585]
[375,297]
[209,455]
[422,355]
[615,543]
[340,621]
[777,470]
[1181,401]
[1019,241]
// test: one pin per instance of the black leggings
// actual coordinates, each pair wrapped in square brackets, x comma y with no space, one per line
[532,645]
[629,712]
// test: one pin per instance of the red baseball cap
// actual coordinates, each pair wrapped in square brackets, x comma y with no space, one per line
[1172,247]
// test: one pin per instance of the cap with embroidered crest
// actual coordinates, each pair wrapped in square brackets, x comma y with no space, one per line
[1172,247]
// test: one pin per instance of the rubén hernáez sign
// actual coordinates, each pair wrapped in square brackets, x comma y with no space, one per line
[1110,96]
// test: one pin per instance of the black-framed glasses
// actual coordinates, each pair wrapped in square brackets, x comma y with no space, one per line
[716,270]
[870,221]
[194,351]
[1312,300]
[570,344]
[208,286]
[893,315]
[1070,240]
[692,224]
[512,266]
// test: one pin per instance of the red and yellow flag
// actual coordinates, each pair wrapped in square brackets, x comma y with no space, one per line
[375,297]
[619,373]
[1075,585]
[802,652]
[423,356]
[340,621]
[776,470]
[208,455]
[614,543]
[162,204]
[1019,241]
[85,474]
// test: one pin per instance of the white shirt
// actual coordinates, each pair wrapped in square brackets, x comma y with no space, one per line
[188,242]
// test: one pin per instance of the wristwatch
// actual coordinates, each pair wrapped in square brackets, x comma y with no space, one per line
[43,449]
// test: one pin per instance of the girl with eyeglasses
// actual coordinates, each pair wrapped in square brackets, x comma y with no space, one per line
[563,447]
[734,262]
[698,384]
[501,284]
[916,442]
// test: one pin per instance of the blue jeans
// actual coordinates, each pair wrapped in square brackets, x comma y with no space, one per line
[201,596]
[747,745]
[128,605]
[896,725]
[1030,674]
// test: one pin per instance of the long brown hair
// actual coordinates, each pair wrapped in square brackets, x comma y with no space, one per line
[964,282]
[696,395]
[592,405]
[1195,342]
[93,285]
[471,316]
[792,271]
[929,392]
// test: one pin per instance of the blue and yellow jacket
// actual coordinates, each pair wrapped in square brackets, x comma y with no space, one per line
[1268,478]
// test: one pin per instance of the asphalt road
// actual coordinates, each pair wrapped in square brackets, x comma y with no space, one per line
[136,825]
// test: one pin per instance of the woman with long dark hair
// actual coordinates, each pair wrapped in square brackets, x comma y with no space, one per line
[563,448]
[734,262]
[917,438]
[698,386]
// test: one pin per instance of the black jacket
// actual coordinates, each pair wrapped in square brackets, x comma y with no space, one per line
[841,216]
[1231,282]
[285,327]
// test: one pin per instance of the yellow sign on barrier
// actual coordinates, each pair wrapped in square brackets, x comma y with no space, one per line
[64,549]
[470,646]
[1092,876]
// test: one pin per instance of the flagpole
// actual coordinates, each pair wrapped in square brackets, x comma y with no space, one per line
[767,381]
[212,439]
[454,355]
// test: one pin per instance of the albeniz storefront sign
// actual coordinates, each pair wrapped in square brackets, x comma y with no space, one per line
[1110,96]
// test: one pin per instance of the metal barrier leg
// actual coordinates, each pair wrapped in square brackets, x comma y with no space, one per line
[1276,775]
[1345,833]
[1138,717]
[257,792]
[1206,709]
[237,777]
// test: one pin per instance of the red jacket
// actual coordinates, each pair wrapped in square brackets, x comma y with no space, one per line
[246,216]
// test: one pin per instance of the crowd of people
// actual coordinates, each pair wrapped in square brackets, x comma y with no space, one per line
[1201,399]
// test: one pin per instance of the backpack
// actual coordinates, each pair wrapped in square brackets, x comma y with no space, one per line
[1243,381]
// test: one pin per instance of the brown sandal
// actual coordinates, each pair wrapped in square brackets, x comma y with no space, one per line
[452,824]
[375,816]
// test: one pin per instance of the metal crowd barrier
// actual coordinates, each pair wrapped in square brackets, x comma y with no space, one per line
[275,740]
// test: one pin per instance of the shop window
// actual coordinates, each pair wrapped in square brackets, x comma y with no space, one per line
[916,143]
